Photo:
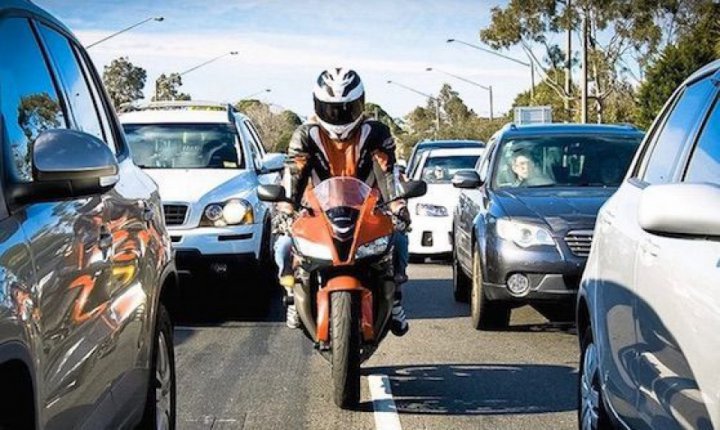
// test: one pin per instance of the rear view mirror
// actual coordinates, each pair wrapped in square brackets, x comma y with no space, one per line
[681,209]
[413,189]
[466,179]
[271,193]
[69,163]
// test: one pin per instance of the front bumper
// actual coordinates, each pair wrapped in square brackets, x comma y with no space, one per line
[554,272]
[430,235]
[206,241]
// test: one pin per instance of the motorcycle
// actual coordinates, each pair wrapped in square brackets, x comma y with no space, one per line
[343,243]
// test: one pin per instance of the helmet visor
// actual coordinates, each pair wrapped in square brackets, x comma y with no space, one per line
[341,113]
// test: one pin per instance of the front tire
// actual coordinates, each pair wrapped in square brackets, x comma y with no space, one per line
[591,411]
[345,333]
[160,406]
[485,314]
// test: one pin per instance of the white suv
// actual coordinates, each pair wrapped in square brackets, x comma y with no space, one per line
[208,161]
[649,301]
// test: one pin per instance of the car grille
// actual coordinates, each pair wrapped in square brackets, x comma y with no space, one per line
[175,214]
[579,242]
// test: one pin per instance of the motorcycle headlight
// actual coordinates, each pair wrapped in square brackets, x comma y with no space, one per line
[231,212]
[524,235]
[312,249]
[426,209]
[376,247]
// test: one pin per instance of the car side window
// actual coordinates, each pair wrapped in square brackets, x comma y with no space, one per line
[671,139]
[28,98]
[256,137]
[704,165]
[257,158]
[77,92]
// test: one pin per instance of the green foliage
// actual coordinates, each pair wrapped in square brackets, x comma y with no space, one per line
[693,50]
[124,81]
[275,129]
[373,110]
[167,87]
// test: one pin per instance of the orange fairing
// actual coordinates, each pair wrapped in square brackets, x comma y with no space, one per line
[344,283]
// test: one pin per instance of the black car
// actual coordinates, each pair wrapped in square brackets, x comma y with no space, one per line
[524,224]
[86,263]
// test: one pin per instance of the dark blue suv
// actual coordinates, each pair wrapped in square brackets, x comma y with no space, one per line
[524,224]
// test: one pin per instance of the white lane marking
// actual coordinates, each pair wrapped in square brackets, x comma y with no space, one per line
[386,416]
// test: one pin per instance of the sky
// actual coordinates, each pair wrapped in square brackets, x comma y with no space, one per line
[284,45]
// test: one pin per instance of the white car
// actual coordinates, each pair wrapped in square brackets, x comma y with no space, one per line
[207,160]
[432,213]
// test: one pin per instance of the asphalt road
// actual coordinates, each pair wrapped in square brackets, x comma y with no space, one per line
[251,372]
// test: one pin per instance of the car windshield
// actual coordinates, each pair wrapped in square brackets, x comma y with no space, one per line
[184,146]
[564,161]
[440,170]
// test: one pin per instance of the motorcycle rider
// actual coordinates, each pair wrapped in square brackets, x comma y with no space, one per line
[338,141]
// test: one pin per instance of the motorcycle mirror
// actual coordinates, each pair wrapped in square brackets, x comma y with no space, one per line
[413,189]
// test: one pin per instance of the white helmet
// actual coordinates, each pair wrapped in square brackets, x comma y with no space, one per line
[339,98]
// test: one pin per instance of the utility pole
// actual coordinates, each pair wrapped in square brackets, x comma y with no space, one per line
[584,85]
[568,62]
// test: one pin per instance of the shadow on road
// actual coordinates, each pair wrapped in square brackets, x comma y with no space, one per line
[431,298]
[481,389]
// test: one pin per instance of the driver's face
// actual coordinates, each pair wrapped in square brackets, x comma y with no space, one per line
[523,167]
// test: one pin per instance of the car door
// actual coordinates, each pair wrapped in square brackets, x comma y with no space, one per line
[676,284]
[68,242]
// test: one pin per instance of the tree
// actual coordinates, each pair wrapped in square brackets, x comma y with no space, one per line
[167,87]
[124,81]
[275,129]
[693,50]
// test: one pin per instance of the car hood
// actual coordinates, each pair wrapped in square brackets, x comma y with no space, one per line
[202,185]
[561,209]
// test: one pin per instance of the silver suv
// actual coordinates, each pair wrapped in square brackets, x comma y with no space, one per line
[649,303]
[85,259]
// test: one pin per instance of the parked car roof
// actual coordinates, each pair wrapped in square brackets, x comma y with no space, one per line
[540,129]
[449,143]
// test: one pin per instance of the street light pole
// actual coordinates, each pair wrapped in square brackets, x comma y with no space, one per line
[507,57]
[267,90]
[486,88]
[435,99]
[155,18]
[205,63]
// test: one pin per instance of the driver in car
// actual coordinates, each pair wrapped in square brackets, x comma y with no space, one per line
[338,141]
[526,172]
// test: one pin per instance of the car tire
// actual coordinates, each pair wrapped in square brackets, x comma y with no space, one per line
[161,400]
[591,409]
[485,314]
[461,282]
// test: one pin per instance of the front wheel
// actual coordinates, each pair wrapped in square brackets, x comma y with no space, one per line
[345,332]
[591,413]
[485,314]
[161,402]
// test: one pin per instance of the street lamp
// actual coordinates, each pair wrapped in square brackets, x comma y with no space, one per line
[435,99]
[507,57]
[155,18]
[204,63]
[486,88]
[267,90]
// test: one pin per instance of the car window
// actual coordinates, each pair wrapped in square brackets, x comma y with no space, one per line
[28,98]
[439,170]
[256,137]
[73,81]
[254,145]
[704,163]
[184,146]
[661,165]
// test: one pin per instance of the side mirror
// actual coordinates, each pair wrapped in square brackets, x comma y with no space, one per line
[413,189]
[466,179]
[273,163]
[681,209]
[271,193]
[68,163]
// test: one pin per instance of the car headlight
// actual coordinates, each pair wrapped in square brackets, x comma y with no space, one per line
[376,247]
[524,235]
[426,209]
[313,250]
[231,212]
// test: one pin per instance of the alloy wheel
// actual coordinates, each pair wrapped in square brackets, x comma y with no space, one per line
[590,389]
[163,388]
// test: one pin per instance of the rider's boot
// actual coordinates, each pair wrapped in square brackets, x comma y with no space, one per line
[291,317]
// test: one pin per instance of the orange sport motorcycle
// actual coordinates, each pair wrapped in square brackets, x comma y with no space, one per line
[344,290]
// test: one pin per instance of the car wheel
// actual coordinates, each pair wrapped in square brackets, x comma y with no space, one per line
[161,397]
[591,413]
[461,283]
[485,314]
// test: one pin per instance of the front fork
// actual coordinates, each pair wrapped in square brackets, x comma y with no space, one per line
[353,285]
